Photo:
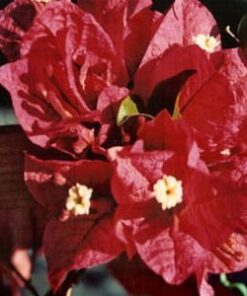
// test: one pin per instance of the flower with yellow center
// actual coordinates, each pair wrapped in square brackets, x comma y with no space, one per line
[168,191]
[78,201]
[206,42]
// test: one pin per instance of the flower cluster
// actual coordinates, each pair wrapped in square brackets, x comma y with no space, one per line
[147,115]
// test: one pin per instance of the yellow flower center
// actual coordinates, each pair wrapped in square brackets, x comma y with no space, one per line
[206,42]
[78,201]
[168,191]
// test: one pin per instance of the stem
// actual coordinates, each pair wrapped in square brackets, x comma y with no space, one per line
[66,289]
[236,285]
[229,32]
[26,283]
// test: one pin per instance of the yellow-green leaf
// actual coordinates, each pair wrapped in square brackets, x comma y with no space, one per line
[127,108]
[176,111]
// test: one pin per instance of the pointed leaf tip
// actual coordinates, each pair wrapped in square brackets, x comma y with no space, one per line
[127,108]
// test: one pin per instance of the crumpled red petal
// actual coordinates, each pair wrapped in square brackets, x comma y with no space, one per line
[14,25]
[182,22]
[82,241]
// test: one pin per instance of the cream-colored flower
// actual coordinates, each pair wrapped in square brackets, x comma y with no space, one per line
[225,152]
[168,191]
[206,42]
[78,201]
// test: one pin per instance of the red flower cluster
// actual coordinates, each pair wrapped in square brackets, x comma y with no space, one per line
[148,117]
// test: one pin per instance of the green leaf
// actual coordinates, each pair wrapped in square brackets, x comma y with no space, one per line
[176,111]
[127,108]
[238,286]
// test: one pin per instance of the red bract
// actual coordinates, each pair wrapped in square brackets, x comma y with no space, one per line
[108,106]
[183,23]
[172,62]
[212,100]
[231,145]
[221,136]
[81,240]
[129,19]
[220,99]
[213,91]
[158,134]
[228,257]
[76,60]
[136,187]
[174,243]
[158,83]
[14,25]
[138,279]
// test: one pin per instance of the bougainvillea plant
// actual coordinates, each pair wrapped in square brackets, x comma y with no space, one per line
[147,115]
